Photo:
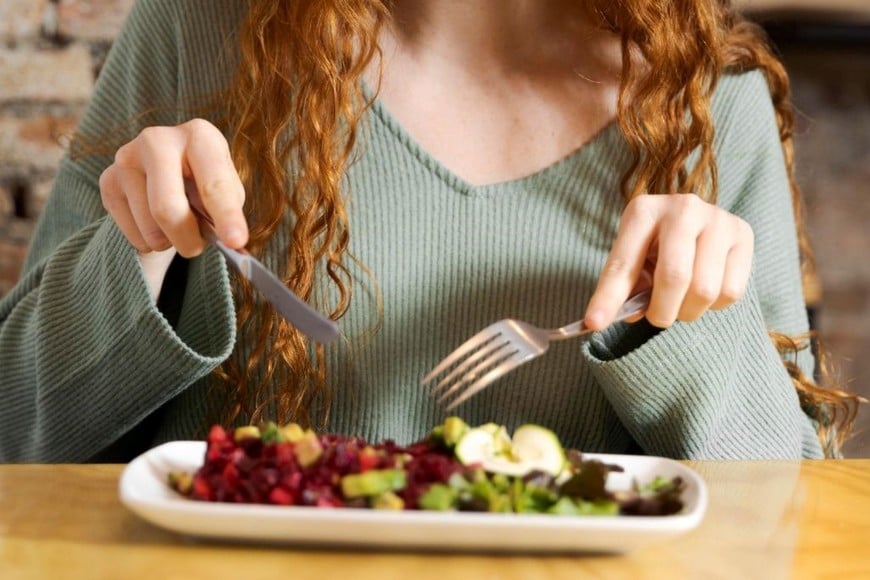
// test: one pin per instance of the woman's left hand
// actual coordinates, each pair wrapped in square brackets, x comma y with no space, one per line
[699,256]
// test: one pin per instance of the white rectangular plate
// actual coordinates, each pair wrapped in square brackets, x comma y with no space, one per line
[144,490]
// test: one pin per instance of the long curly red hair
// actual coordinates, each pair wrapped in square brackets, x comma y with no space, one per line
[673,54]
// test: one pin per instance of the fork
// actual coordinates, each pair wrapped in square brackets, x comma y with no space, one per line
[503,346]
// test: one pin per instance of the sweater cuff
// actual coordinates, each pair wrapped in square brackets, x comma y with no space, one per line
[712,388]
[205,333]
[130,357]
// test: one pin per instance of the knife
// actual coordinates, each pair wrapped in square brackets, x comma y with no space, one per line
[299,313]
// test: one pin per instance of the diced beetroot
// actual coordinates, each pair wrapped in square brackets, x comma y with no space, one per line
[252,447]
[251,471]
[217,434]
[237,455]
[283,453]
[201,489]
[264,477]
[280,496]
[292,480]
[231,475]
[328,502]
[368,459]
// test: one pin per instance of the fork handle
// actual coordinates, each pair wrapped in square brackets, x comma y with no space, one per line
[635,305]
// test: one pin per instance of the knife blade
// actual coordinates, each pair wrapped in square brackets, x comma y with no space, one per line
[299,313]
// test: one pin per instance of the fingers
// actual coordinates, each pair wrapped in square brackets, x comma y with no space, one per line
[117,206]
[704,261]
[133,183]
[701,258]
[725,259]
[737,268]
[161,152]
[218,184]
[643,283]
[673,274]
[713,247]
[624,264]
[144,189]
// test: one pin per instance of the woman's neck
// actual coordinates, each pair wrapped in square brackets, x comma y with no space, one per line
[497,89]
[517,35]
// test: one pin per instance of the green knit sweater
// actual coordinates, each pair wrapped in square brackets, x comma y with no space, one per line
[91,369]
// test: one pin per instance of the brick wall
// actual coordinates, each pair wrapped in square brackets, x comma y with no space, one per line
[51,50]
[50,53]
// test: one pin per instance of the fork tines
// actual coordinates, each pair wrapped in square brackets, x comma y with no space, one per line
[479,361]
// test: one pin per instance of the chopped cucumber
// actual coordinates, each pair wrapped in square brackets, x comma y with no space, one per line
[388,501]
[438,497]
[453,430]
[372,483]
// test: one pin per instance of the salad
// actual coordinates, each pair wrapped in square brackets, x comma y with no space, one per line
[457,467]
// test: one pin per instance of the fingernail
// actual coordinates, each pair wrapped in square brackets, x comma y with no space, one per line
[235,237]
[594,318]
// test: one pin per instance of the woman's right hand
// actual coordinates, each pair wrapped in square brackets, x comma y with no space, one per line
[143,189]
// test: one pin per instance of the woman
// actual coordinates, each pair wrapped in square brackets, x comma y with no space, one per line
[418,170]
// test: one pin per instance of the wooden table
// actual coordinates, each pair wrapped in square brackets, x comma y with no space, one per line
[765,520]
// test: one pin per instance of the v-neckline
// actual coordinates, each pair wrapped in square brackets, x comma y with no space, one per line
[461,184]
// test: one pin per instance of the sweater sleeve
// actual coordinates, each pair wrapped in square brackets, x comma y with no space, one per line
[717,388]
[85,355]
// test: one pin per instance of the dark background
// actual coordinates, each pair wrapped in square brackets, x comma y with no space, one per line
[828,59]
